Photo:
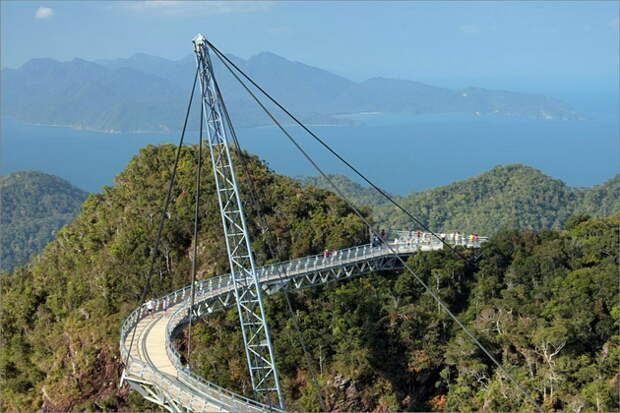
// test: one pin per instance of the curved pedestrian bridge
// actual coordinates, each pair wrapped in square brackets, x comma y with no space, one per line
[154,366]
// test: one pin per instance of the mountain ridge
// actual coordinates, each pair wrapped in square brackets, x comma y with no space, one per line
[148,94]
[513,196]
[542,209]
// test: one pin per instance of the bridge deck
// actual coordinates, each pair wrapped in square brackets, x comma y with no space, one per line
[150,346]
[154,366]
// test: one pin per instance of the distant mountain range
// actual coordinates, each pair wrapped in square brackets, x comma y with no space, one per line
[149,94]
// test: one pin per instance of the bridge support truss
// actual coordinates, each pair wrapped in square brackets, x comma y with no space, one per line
[256,339]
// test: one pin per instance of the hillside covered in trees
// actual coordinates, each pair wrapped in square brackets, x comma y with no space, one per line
[506,197]
[545,304]
[34,206]
[512,196]
[360,194]
[61,315]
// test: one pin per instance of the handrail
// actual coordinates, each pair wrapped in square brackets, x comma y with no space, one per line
[214,284]
[339,253]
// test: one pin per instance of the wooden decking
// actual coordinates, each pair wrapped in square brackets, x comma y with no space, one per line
[149,346]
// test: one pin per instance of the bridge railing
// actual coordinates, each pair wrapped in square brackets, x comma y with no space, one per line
[299,264]
[320,260]
[294,265]
[338,256]
[142,369]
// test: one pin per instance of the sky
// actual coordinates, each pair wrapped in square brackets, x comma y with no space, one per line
[523,46]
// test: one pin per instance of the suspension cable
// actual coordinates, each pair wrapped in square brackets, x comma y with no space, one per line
[154,251]
[392,250]
[222,57]
[196,214]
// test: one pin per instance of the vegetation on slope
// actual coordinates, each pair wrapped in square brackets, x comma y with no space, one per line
[61,315]
[546,306]
[34,206]
[361,195]
[506,197]
[378,342]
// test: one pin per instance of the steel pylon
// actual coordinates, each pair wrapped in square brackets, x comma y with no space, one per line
[256,339]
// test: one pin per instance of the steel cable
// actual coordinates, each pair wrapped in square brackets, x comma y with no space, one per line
[264,229]
[154,251]
[196,215]
[333,152]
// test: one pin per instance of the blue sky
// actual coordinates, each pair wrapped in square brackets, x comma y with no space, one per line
[516,45]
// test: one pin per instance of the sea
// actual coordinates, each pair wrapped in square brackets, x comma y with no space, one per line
[401,153]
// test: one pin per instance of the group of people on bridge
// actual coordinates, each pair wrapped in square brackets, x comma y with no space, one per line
[379,238]
[157,304]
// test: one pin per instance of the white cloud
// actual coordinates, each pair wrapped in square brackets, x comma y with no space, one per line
[469,28]
[44,13]
[192,7]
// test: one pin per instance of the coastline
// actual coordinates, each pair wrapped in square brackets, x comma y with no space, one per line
[334,120]
[167,131]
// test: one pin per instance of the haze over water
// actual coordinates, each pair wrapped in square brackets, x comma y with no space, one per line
[402,153]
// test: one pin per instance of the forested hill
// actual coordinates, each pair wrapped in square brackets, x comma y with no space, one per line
[34,206]
[511,196]
[545,304]
[61,315]
[514,196]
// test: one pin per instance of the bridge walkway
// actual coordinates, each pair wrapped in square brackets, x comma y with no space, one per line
[154,366]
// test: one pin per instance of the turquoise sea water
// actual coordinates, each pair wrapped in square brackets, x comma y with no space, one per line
[402,153]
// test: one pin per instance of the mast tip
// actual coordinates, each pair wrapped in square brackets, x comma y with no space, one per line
[199,40]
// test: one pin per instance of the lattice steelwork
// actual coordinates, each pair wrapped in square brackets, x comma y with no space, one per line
[258,347]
